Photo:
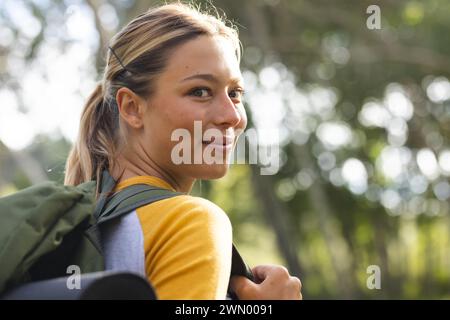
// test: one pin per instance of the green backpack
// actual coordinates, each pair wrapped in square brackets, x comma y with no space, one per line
[48,227]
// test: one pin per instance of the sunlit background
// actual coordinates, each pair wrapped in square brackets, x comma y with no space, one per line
[363,118]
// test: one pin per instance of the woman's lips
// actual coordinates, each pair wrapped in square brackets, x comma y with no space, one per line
[220,149]
[226,142]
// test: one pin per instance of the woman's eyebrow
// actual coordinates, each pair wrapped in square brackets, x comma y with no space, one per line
[211,78]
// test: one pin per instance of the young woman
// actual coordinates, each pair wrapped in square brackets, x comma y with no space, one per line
[170,68]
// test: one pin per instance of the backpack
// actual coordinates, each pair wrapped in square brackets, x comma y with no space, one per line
[46,228]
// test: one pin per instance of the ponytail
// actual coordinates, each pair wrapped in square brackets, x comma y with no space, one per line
[95,146]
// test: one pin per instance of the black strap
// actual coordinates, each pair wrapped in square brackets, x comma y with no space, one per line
[239,267]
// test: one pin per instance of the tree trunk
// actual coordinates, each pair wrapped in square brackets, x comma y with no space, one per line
[277,216]
[335,243]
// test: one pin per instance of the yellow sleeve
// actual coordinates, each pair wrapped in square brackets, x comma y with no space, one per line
[187,243]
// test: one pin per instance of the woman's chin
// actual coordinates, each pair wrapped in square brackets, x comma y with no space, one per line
[213,171]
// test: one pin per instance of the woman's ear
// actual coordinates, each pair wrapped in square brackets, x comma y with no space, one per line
[131,107]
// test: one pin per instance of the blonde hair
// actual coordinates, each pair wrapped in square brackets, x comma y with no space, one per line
[143,47]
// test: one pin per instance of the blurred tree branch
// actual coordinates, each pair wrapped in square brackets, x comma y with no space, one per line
[104,35]
[370,46]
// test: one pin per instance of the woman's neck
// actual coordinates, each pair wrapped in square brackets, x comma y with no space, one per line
[125,169]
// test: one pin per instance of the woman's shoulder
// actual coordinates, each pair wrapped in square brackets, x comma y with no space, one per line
[197,203]
[189,240]
[187,208]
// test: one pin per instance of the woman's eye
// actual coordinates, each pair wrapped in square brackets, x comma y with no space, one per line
[200,92]
[236,94]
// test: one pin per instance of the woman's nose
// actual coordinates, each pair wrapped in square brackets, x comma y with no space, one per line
[226,112]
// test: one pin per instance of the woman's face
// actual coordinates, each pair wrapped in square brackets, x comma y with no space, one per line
[194,117]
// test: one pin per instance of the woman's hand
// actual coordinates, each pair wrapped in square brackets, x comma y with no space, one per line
[272,283]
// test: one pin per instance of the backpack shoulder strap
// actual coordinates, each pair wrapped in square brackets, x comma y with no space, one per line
[110,206]
[131,198]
